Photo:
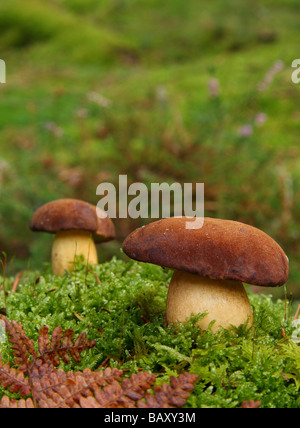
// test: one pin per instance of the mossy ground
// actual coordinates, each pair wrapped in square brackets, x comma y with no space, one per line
[121,306]
[97,89]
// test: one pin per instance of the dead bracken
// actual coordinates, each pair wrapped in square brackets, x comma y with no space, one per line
[44,386]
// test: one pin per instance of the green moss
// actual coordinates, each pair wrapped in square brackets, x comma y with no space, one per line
[153,63]
[53,31]
[125,315]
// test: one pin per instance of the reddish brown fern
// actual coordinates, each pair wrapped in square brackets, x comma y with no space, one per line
[36,377]
[251,404]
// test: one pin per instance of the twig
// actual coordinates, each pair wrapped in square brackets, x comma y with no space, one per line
[16,281]
[285,303]
[253,342]
[145,319]
[121,337]
[78,316]
[3,264]
[96,276]
[87,263]
[297,312]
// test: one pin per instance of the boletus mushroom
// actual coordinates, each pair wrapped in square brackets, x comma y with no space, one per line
[76,226]
[210,265]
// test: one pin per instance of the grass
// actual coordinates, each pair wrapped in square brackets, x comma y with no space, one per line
[122,305]
[161,91]
[98,89]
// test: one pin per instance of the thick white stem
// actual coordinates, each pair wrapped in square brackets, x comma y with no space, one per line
[225,301]
[69,244]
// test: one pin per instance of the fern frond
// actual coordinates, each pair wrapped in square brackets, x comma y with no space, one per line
[7,403]
[54,388]
[173,395]
[13,379]
[22,346]
[61,345]
[120,395]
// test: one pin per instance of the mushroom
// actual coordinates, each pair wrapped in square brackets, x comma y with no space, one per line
[77,227]
[210,265]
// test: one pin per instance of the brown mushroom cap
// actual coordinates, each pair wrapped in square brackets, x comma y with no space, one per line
[221,249]
[72,214]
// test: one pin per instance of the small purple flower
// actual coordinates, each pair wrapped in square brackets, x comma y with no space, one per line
[214,88]
[245,131]
[260,119]
[54,129]
[269,76]
[99,99]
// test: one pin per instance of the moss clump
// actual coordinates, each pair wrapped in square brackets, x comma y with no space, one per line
[53,31]
[121,306]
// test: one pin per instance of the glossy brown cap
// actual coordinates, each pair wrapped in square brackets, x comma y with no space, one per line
[72,214]
[221,249]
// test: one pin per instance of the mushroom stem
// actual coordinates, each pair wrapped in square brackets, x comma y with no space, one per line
[69,244]
[225,301]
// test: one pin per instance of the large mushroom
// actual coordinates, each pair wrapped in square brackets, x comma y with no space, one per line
[211,264]
[77,227]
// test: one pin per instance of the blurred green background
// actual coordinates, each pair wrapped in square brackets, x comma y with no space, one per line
[172,91]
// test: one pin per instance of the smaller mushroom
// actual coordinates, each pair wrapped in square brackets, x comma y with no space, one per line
[77,227]
[210,266]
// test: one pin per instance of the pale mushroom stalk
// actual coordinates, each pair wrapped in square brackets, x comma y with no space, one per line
[192,294]
[69,244]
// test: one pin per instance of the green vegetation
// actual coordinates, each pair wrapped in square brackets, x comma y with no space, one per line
[122,307]
[179,91]
[167,91]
